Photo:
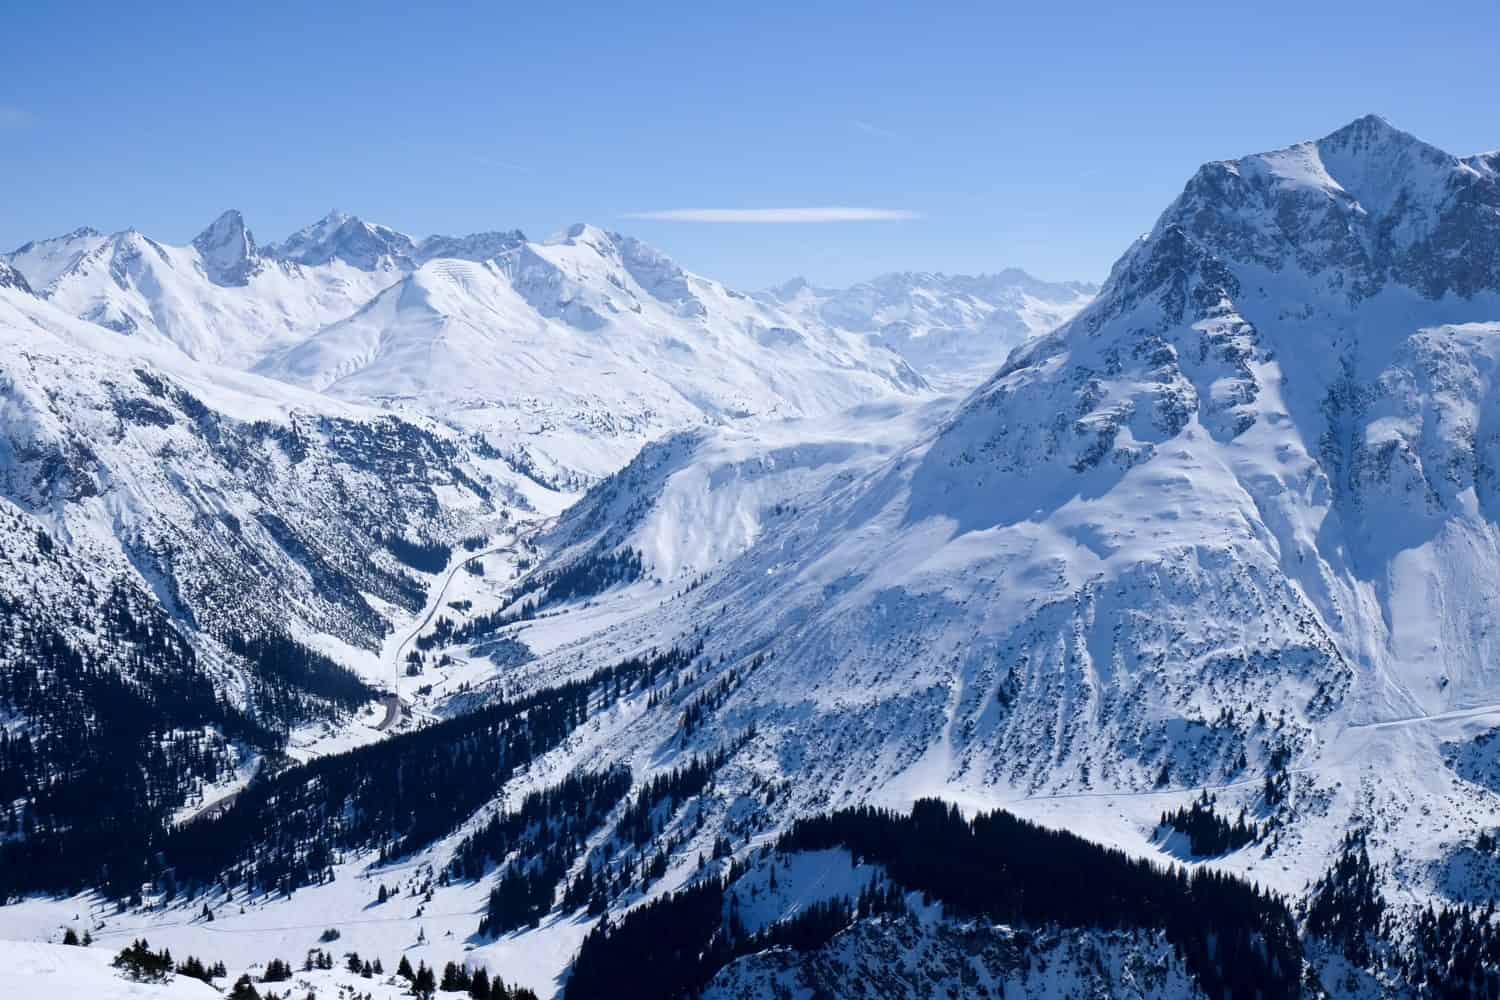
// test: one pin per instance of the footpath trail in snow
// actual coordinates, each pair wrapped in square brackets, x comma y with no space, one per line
[1416,720]
[1349,756]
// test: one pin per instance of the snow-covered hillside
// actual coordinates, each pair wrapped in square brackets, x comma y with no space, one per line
[215,488]
[50,971]
[947,325]
[197,562]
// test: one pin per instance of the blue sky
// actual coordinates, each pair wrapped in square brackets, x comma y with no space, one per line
[1045,138]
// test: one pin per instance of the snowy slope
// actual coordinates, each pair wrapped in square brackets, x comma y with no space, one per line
[954,325]
[50,971]
[1232,522]
[236,500]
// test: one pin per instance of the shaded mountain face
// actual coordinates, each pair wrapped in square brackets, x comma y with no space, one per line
[944,325]
[11,278]
[240,504]
[228,250]
[1365,208]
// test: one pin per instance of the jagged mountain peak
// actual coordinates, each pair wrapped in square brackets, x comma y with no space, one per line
[1365,208]
[1367,128]
[344,237]
[474,247]
[607,242]
[228,250]
[587,232]
[791,287]
[370,246]
[571,271]
[81,233]
[229,221]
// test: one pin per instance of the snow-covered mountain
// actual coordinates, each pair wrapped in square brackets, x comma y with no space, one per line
[1225,537]
[215,488]
[200,568]
[220,299]
[944,324]
[1230,526]
[339,236]
[569,355]
[576,352]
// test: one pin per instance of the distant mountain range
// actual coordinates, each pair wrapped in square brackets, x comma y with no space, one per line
[944,324]
[567,355]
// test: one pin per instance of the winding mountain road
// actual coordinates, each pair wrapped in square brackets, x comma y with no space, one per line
[435,604]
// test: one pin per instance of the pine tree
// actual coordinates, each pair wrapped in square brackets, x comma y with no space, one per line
[452,980]
[425,983]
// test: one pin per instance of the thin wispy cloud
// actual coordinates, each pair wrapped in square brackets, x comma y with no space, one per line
[14,117]
[519,168]
[875,130]
[832,213]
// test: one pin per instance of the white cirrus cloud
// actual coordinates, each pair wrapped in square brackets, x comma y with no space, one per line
[875,130]
[831,213]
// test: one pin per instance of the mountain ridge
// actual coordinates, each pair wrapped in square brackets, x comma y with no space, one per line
[1221,529]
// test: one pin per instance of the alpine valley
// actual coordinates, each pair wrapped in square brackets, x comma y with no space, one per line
[383,615]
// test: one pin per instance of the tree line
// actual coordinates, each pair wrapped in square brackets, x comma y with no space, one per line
[1236,941]
[398,795]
